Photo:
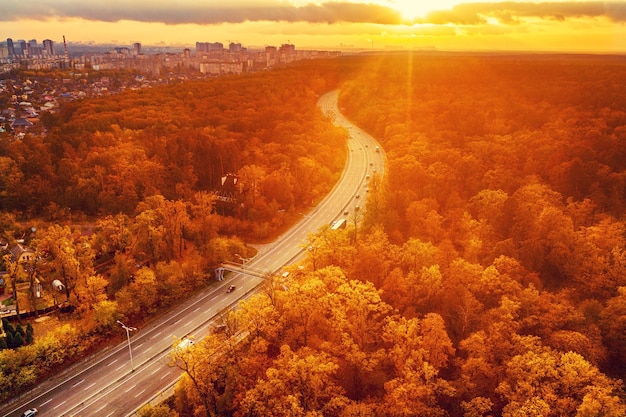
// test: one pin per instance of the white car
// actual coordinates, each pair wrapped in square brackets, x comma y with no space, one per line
[184,343]
[30,412]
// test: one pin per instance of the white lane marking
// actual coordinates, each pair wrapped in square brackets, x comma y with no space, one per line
[78,383]
[59,405]
[111,363]
[86,388]
[120,367]
[45,402]
[131,388]
[139,393]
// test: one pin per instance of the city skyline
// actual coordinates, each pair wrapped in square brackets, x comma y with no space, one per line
[567,26]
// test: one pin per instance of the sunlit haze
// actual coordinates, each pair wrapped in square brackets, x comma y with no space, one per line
[410,10]
[579,26]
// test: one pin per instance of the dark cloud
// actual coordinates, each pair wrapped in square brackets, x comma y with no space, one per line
[199,12]
[510,12]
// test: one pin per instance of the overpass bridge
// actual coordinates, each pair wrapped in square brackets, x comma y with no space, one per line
[241,269]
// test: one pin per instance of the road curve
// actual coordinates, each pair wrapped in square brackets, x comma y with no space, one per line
[107,385]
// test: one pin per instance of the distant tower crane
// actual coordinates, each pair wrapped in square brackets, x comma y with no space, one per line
[65,54]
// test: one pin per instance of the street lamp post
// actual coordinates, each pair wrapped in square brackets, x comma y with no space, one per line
[128,330]
[243,263]
[313,252]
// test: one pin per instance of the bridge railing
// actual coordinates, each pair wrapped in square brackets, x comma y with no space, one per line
[242,269]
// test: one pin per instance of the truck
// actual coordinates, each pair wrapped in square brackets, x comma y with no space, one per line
[339,224]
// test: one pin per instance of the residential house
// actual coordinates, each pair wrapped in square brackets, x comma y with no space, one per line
[21,125]
[228,195]
[22,253]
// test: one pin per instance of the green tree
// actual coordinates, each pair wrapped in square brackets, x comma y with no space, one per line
[30,337]
[17,340]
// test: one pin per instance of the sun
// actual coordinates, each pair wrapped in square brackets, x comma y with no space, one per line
[411,9]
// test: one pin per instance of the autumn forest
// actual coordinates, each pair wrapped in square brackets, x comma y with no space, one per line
[486,276]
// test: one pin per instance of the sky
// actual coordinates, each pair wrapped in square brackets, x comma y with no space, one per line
[446,25]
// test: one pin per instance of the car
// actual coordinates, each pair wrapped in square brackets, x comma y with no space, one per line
[230,289]
[357,196]
[30,412]
[356,208]
[185,343]
[345,213]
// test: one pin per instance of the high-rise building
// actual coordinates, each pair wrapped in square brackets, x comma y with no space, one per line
[22,48]
[136,48]
[32,48]
[287,48]
[235,47]
[10,47]
[48,47]
[209,47]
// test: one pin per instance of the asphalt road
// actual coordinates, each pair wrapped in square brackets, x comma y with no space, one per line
[108,384]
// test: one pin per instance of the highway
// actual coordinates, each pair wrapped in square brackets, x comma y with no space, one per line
[108,384]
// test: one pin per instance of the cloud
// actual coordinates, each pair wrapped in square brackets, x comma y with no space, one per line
[327,12]
[199,12]
[511,12]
